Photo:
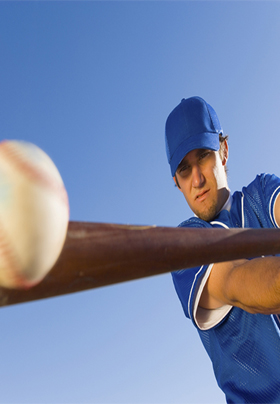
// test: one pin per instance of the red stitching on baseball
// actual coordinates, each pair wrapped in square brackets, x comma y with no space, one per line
[33,172]
[11,264]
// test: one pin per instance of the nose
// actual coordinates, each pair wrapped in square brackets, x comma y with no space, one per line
[197,177]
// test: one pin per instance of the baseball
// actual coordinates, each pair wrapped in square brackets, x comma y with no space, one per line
[34,214]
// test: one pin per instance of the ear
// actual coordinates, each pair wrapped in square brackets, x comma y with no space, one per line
[225,153]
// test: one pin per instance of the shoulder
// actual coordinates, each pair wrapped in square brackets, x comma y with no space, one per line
[259,199]
[263,182]
[254,205]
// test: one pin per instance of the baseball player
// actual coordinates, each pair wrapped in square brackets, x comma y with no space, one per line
[234,305]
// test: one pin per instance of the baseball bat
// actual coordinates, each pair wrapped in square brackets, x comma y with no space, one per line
[100,254]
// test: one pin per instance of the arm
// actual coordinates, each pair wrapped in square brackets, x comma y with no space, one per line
[253,285]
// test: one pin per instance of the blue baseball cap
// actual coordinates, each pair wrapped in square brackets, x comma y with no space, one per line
[193,124]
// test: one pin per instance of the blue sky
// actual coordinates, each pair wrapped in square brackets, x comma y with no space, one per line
[92,84]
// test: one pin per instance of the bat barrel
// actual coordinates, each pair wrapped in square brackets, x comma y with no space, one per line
[100,254]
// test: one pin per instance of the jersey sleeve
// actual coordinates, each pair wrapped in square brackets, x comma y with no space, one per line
[189,284]
[260,200]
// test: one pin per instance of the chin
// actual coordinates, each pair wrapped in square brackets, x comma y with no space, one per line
[208,215]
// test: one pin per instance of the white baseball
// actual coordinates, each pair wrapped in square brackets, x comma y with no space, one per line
[34,214]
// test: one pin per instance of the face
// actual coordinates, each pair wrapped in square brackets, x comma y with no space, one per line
[202,179]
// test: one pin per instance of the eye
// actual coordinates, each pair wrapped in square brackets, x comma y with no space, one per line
[204,154]
[183,168]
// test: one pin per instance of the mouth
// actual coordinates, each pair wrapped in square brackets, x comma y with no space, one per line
[202,195]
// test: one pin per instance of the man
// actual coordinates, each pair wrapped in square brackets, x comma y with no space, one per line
[234,305]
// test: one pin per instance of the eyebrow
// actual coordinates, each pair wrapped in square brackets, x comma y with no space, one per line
[185,160]
[183,163]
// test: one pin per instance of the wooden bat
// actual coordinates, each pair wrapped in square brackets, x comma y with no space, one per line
[99,254]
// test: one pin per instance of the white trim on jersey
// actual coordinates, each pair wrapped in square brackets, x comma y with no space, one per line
[276,323]
[220,224]
[189,301]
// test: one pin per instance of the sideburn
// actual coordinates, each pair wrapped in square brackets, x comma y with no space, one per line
[177,182]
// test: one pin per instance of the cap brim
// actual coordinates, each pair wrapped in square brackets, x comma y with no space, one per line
[203,141]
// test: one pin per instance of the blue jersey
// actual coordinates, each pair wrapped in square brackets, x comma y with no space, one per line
[244,348]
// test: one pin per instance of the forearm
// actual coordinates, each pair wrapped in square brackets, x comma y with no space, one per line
[251,285]
[255,285]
